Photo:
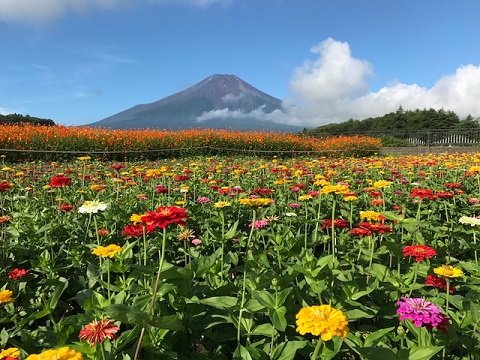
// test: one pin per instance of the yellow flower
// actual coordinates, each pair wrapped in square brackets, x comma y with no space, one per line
[222,204]
[255,202]
[107,251]
[6,296]
[12,352]
[371,215]
[381,184]
[338,189]
[324,321]
[350,198]
[136,219]
[448,271]
[64,353]
[304,197]
[84,158]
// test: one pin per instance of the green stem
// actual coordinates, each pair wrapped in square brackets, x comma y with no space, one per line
[415,274]
[108,280]
[475,245]
[317,349]
[447,303]
[244,285]
[334,245]
[155,289]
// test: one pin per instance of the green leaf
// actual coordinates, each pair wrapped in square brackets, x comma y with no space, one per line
[331,348]
[231,232]
[52,303]
[376,353]
[265,298]
[264,329]
[373,338]
[219,302]
[241,353]
[288,350]
[131,315]
[424,353]
[277,316]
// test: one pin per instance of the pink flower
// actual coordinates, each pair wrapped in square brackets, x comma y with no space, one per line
[421,312]
[259,224]
[196,242]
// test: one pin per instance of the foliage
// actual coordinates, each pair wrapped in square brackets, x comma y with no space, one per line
[153,144]
[229,282]
[19,119]
[401,120]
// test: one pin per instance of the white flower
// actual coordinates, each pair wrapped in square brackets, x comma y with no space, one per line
[290,214]
[467,220]
[92,207]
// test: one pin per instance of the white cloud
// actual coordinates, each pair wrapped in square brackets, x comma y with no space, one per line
[257,114]
[5,111]
[39,11]
[333,88]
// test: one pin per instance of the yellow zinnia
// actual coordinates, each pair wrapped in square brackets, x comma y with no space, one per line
[448,271]
[6,296]
[381,184]
[12,352]
[371,215]
[222,204]
[107,251]
[324,321]
[64,353]
[255,202]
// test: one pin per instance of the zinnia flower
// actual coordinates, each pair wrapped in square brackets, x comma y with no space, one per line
[338,223]
[97,331]
[371,215]
[448,271]
[255,202]
[66,207]
[259,224]
[60,180]
[165,215]
[222,204]
[4,186]
[438,282]
[467,220]
[9,354]
[324,321]
[419,252]
[6,296]
[107,251]
[64,353]
[420,311]
[92,207]
[16,274]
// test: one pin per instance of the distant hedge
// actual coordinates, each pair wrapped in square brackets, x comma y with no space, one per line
[18,119]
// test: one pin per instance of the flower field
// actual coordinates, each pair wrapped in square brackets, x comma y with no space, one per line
[241,257]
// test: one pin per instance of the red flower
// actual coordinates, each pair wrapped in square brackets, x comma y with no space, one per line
[262,191]
[445,194]
[419,252]
[136,231]
[376,228]
[66,207]
[103,232]
[339,223]
[375,194]
[160,189]
[97,331]
[422,193]
[360,232]
[60,180]
[4,186]
[166,215]
[453,185]
[438,282]
[182,177]
[376,202]
[5,218]
[16,274]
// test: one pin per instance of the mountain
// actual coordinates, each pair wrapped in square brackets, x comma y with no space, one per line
[217,102]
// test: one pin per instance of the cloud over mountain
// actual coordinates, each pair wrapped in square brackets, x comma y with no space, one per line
[334,88]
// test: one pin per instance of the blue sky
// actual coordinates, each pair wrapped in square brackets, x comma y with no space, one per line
[79,61]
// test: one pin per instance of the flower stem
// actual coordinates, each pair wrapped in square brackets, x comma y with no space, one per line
[317,349]
[244,285]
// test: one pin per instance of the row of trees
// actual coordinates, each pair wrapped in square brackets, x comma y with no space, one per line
[401,120]
[12,119]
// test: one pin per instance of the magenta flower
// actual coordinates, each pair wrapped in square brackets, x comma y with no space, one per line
[203,200]
[421,312]
[259,224]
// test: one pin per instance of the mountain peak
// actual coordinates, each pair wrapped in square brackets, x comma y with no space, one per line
[219,101]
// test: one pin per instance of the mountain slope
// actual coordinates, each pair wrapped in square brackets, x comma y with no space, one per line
[219,101]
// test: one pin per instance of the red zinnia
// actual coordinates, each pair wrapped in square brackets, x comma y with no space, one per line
[135,231]
[166,215]
[339,223]
[438,282]
[4,186]
[66,207]
[60,180]
[419,252]
[445,194]
[16,274]
[360,232]
[376,228]
[97,331]
[422,193]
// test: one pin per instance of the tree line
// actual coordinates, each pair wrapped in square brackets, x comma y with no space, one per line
[24,119]
[401,120]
